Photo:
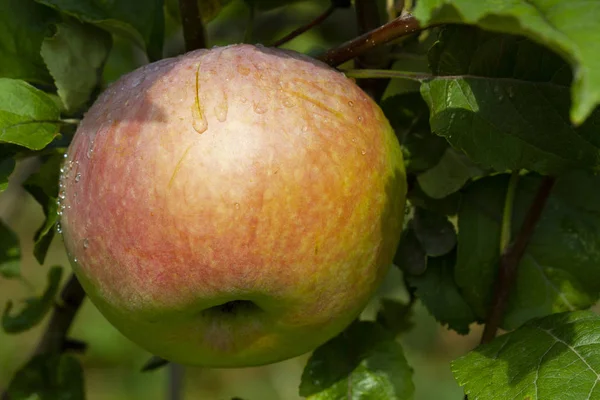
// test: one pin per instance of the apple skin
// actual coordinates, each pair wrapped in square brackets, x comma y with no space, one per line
[232,207]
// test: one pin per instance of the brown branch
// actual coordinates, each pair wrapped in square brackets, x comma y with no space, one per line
[194,33]
[509,261]
[399,27]
[55,337]
[299,31]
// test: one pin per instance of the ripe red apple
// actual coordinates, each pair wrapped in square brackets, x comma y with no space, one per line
[232,207]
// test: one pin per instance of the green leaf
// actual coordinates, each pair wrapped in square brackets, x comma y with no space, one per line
[363,362]
[409,116]
[10,252]
[209,9]
[35,308]
[6,168]
[557,357]
[23,26]
[504,101]
[141,21]
[265,5]
[435,233]
[446,206]
[438,291]
[75,56]
[567,27]
[410,256]
[43,186]
[28,116]
[49,377]
[559,270]
[450,174]
[395,316]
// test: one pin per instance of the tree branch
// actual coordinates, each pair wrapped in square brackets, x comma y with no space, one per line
[299,31]
[509,261]
[194,33]
[54,339]
[399,27]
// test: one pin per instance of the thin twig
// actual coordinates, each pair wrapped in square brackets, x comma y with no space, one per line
[510,259]
[399,27]
[55,336]
[299,31]
[194,33]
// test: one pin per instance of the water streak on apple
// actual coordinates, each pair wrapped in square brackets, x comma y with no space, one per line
[232,207]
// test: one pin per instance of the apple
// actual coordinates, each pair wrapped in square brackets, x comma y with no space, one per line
[232,207]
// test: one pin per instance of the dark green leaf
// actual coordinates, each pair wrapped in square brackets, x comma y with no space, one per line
[395,316]
[559,270]
[446,206]
[28,116]
[504,101]
[567,27]
[75,56]
[209,9]
[409,116]
[43,186]
[23,26]
[438,291]
[410,256]
[6,168]
[363,362]
[435,233]
[264,5]
[35,308]
[49,377]
[141,21]
[556,358]
[452,171]
[10,252]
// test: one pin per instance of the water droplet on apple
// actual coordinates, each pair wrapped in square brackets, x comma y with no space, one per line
[77,177]
[199,122]
[58,228]
[65,156]
[260,108]
[304,128]
[221,112]
[75,260]
[360,118]
[288,103]
[363,152]
[351,103]
[243,99]
[86,243]
[237,206]
[137,80]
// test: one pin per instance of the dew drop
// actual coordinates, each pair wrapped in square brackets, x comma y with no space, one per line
[77,177]
[86,243]
[237,205]
[221,112]
[363,152]
[58,228]
[288,103]
[260,108]
[75,260]
[199,122]
[304,128]
[65,155]
[138,79]
[243,99]
[360,118]
[351,103]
